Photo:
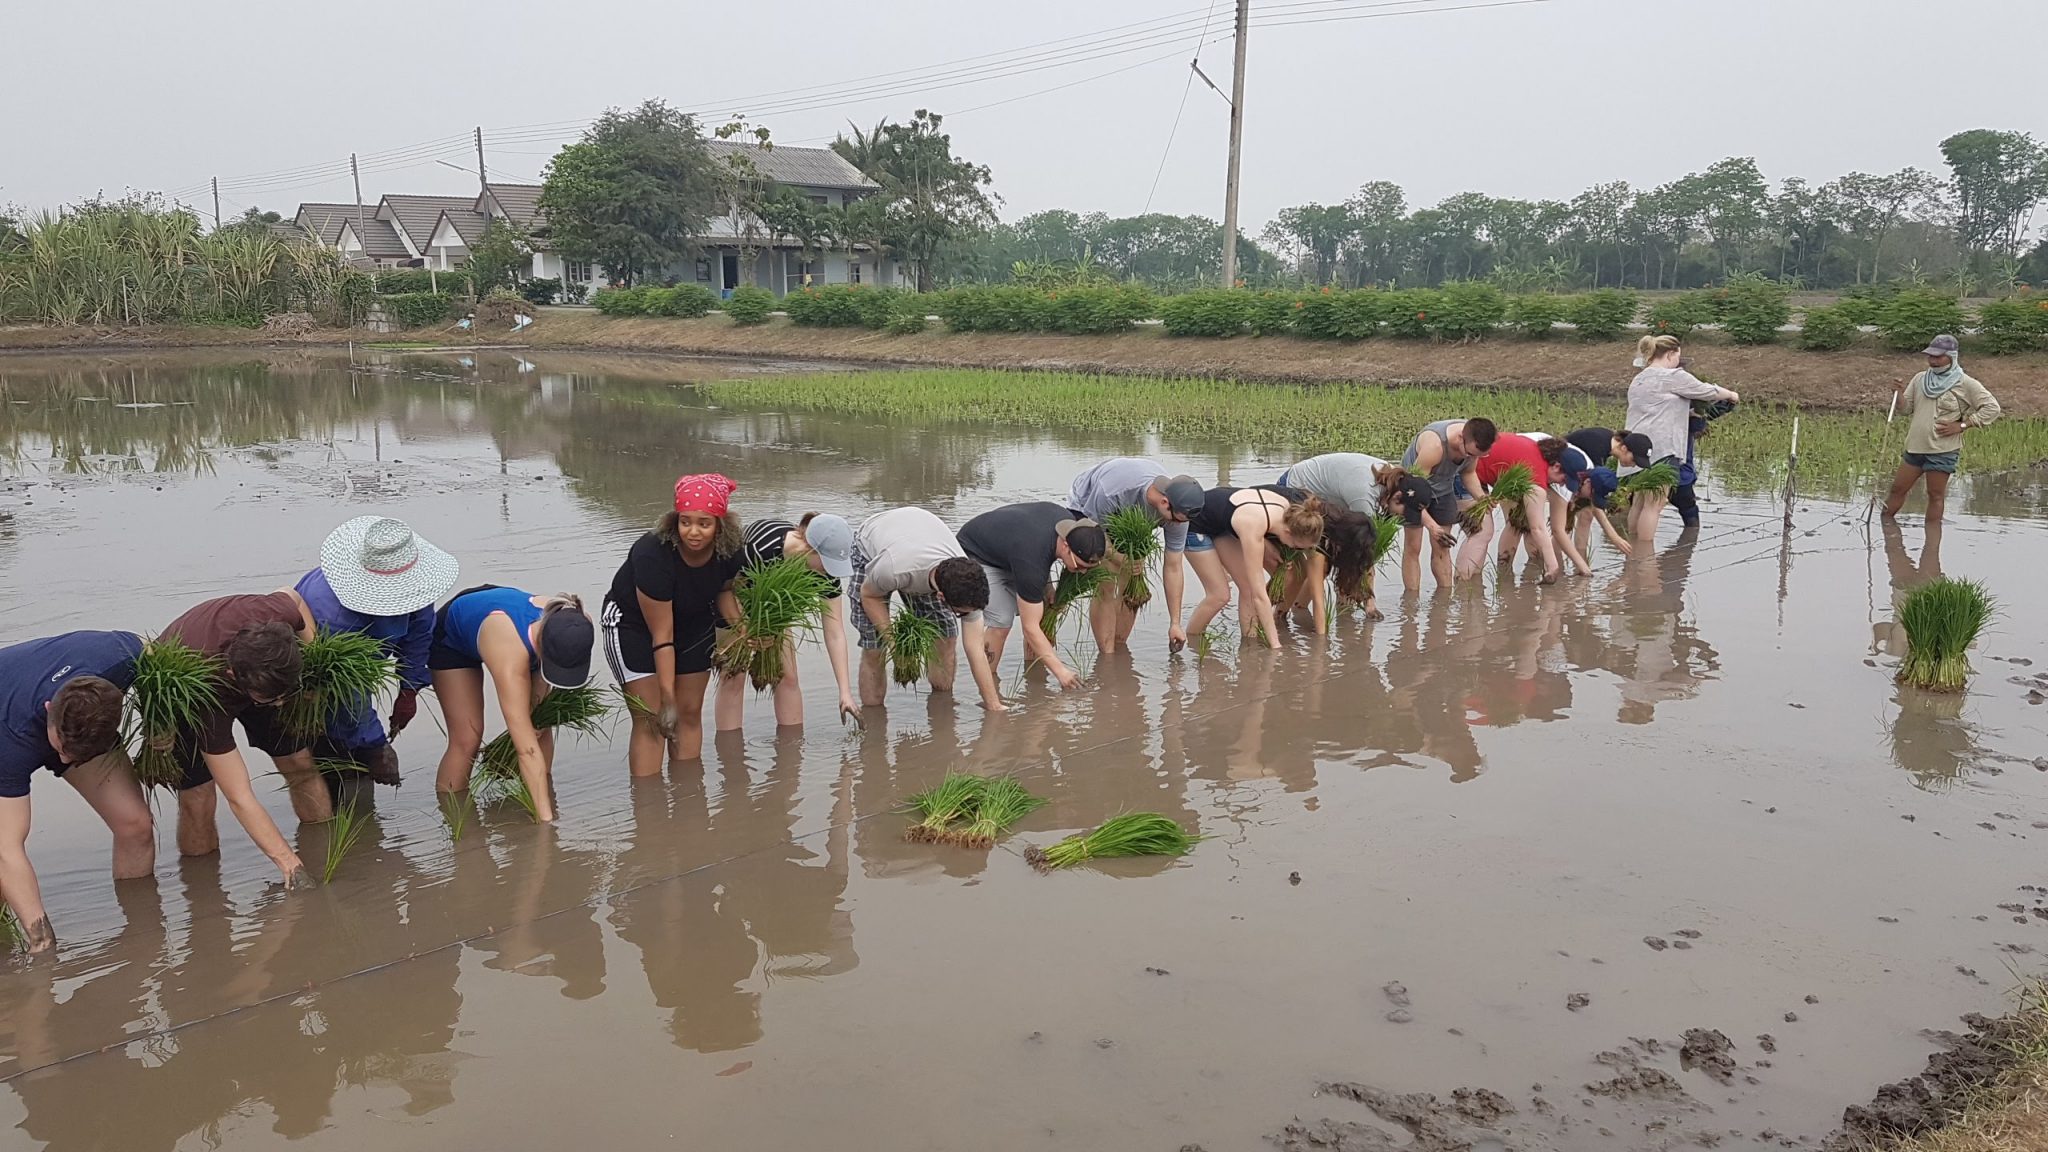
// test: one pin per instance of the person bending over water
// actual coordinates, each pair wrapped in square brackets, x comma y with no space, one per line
[528,645]
[825,543]
[1227,543]
[1445,456]
[1134,482]
[909,552]
[1016,546]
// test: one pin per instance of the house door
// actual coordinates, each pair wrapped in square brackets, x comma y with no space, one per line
[730,270]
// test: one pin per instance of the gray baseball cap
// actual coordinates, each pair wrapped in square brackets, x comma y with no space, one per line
[831,537]
[1184,494]
[1943,345]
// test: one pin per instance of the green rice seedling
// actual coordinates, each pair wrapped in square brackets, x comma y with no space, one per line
[581,710]
[1131,834]
[13,937]
[174,686]
[1507,493]
[1212,637]
[777,600]
[455,813]
[341,668]
[1658,479]
[910,641]
[1073,585]
[952,799]
[1386,532]
[1276,584]
[1135,537]
[350,821]
[1942,619]
[1002,803]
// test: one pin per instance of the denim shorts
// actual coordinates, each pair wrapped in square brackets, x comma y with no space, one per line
[1198,542]
[1934,461]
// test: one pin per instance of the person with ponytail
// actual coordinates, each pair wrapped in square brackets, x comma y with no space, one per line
[529,645]
[1660,407]
[661,619]
[1347,548]
[1227,544]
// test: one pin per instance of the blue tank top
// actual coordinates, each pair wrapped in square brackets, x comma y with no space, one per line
[465,614]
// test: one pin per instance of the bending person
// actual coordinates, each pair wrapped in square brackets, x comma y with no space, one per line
[60,708]
[1660,407]
[1227,544]
[825,543]
[377,578]
[1016,546]
[1134,482]
[1530,517]
[1585,475]
[1346,547]
[1445,455]
[1946,402]
[909,552]
[528,644]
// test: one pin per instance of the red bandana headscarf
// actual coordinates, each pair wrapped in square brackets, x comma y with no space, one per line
[705,493]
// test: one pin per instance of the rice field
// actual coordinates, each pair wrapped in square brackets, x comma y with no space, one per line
[1746,450]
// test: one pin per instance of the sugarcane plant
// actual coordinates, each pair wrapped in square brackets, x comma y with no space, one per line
[1942,619]
[1133,536]
[1131,834]
[1508,491]
[174,686]
[1074,585]
[1657,479]
[342,670]
[777,600]
[910,641]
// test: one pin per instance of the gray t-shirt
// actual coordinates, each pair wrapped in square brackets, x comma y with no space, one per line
[902,547]
[1342,478]
[1120,483]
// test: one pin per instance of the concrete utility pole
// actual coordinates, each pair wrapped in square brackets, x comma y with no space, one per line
[356,176]
[1244,16]
[482,181]
[216,203]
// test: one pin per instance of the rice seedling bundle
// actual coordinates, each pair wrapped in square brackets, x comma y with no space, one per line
[952,799]
[1386,530]
[342,669]
[174,686]
[581,710]
[1658,479]
[12,936]
[776,600]
[910,642]
[1942,619]
[1135,537]
[1002,803]
[1276,584]
[1508,492]
[1073,585]
[1131,834]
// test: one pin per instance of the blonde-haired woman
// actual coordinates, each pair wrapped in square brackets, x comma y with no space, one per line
[1227,544]
[661,619]
[528,645]
[1660,407]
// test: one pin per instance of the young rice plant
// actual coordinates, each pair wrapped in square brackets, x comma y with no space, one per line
[1135,537]
[952,800]
[1942,619]
[343,670]
[1002,803]
[1072,586]
[1658,478]
[1131,834]
[174,686]
[777,600]
[1507,493]
[910,641]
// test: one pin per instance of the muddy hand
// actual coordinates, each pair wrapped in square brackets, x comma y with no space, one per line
[294,872]
[849,712]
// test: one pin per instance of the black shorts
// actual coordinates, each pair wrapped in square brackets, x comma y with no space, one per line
[266,732]
[629,646]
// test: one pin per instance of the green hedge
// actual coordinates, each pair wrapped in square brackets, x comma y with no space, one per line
[1679,315]
[1827,329]
[419,309]
[2018,324]
[1015,308]
[1535,316]
[1912,318]
[620,301]
[1602,315]
[407,281]
[750,304]
[1215,313]
[841,306]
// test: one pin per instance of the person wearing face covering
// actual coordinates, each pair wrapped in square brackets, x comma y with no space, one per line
[1944,403]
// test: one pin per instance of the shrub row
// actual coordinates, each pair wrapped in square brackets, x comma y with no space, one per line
[854,306]
[1015,308]
[686,300]
[419,309]
[1461,311]
[407,281]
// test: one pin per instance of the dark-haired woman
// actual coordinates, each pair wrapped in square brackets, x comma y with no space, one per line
[1227,544]
[1346,548]
[528,645]
[661,619]
[825,542]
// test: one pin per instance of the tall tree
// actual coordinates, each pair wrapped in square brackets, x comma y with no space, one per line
[634,192]
[1871,208]
[500,255]
[933,197]
[1997,178]
[1379,210]
[1596,218]
[1317,232]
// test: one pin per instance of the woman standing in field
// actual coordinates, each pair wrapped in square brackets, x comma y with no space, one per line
[1660,407]
[661,619]
[825,543]
[528,644]
[1227,544]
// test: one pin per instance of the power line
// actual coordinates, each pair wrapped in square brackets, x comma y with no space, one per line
[1185,89]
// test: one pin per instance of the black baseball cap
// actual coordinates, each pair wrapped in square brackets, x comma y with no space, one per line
[566,638]
[1416,495]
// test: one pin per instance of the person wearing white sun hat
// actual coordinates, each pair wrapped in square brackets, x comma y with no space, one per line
[377,577]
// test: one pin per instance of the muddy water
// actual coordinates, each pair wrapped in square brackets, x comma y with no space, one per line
[1490,800]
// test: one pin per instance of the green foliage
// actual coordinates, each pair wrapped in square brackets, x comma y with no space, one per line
[584,711]
[841,306]
[1332,315]
[342,670]
[419,309]
[1679,315]
[1508,491]
[1827,330]
[1216,313]
[907,314]
[345,829]
[940,807]
[1006,308]
[1756,308]
[1864,303]
[909,643]
[1386,532]
[684,300]
[749,304]
[541,289]
[1913,317]
[1131,834]
[2018,324]
[499,255]
[777,601]
[1468,310]
[1602,315]
[1942,619]
[406,281]
[635,191]
[1100,310]
[1135,537]
[174,686]
[1002,803]
[1073,586]
[1535,314]
[620,301]
[1412,313]
[1271,313]
[930,198]
[1658,479]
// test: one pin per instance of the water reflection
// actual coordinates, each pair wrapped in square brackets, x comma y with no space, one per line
[1659,652]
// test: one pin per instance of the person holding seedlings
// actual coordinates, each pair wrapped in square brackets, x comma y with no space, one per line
[1946,402]
[1660,407]
[528,644]
[661,618]
[60,708]
[377,578]
[1135,482]
[1016,546]
[1582,475]
[909,552]
[824,542]
[256,640]
[1349,480]
[1349,546]
[1515,450]
[1227,544]
[1445,455]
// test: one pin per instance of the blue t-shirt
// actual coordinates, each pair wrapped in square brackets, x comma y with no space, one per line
[30,674]
[464,616]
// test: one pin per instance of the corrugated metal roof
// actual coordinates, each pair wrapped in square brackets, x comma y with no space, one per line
[380,241]
[417,215]
[804,167]
[519,202]
[325,219]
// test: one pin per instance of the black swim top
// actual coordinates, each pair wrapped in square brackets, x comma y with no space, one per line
[1218,504]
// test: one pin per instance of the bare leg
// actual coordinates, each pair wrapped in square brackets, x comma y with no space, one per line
[1902,483]
[108,784]
[1937,496]
[1472,552]
[945,663]
[461,693]
[646,748]
[1102,613]
[788,692]
[1440,564]
[997,639]
[874,678]
[729,711]
[1413,540]
[1510,541]
[1536,506]
[690,689]
[198,834]
[311,801]
[1215,590]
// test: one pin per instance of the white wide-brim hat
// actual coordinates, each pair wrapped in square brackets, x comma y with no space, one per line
[378,567]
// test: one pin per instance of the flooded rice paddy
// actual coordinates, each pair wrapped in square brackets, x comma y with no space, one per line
[1511,840]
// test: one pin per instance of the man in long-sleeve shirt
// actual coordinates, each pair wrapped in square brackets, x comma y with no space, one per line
[1945,402]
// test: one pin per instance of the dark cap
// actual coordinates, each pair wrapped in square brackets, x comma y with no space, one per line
[1416,496]
[566,638]
[1184,495]
[1943,345]
[1638,446]
[1604,484]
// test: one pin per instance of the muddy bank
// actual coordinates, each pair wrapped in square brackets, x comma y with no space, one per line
[1837,380]
[1983,1086]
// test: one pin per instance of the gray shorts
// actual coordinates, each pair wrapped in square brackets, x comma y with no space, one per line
[1002,599]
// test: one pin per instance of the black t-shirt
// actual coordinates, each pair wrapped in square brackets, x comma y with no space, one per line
[656,570]
[1020,539]
[1596,443]
[765,546]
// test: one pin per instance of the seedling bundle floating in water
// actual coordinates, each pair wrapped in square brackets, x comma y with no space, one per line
[1942,619]
[972,811]
[1131,834]
[776,600]
[910,642]
[174,686]
[342,670]
[1135,537]
[1072,586]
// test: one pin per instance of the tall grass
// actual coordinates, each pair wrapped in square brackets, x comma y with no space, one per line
[1942,618]
[776,601]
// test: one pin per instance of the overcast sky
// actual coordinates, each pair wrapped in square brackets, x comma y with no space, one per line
[1535,101]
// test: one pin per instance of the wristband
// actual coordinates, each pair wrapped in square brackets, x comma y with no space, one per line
[664,644]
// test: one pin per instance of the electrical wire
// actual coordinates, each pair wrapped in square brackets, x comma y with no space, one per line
[1185,89]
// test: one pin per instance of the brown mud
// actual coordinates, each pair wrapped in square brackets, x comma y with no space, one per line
[1955,1077]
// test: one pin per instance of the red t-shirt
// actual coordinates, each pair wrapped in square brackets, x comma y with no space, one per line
[1510,449]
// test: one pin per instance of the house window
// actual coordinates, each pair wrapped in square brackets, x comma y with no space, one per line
[577,271]
[802,273]
[703,271]
[853,271]
[820,201]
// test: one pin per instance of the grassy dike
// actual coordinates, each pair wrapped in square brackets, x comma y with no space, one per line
[1986,1091]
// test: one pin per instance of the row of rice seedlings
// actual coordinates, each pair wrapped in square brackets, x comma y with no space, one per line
[1135,537]
[909,643]
[1658,478]
[341,668]
[1073,586]
[1131,834]
[1213,637]
[1942,619]
[777,600]
[1508,492]
[969,810]
[174,686]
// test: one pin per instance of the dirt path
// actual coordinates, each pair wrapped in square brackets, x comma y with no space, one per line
[1833,380]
